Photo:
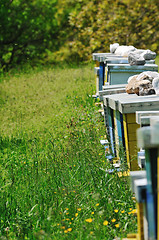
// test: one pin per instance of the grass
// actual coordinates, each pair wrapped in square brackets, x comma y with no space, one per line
[52,166]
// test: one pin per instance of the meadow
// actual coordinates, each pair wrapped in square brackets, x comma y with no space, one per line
[54,182]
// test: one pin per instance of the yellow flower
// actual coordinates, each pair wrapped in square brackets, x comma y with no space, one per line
[67,219]
[116,210]
[91,233]
[72,218]
[113,220]
[69,229]
[92,213]
[130,209]
[97,204]
[117,225]
[67,209]
[122,211]
[129,213]
[105,223]
[67,213]
[89,220]
[63,227]
[76,214]
[54,192]
[134,211]
[79,209]
[100,154]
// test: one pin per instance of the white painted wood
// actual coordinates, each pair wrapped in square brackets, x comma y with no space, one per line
[143,117]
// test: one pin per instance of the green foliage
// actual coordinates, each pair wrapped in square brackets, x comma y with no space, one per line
[52,166]
[66,30]
[28,29]
[100,23]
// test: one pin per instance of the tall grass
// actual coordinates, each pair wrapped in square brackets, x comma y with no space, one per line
[54,183]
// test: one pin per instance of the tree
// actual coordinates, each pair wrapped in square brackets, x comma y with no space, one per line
[28,29]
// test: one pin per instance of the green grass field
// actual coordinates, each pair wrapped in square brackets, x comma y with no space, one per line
[53,182]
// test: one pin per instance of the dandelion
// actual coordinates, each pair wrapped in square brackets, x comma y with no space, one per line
[91,233]
[105,223]
[58,224]
[134,211]
[100,154]
[116,210]
[24,162]
[72,218]
[113,220]
[67,213]
[92,213]
[76,214]
[97,204]
[63,227]
[69,229]
[89,220]
[117,225]
[67,219]
[67,209]
[129,213]
[130,209]
[55,192]
[122,211]
[79,209]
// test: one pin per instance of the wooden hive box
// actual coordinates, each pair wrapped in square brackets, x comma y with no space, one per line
[119,73]
[125,106]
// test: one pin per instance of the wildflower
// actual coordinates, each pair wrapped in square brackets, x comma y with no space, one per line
[91,233]
[130,209]
[117,225]
[55,192]
[122,211]
[113,220]
[105,223]
[116,210]
[65,231]
[69,229]
[134,211]
[58,224]
[100,154]
[76,214]
[79,209]
[89,220]
[63,227]
[92,213]
[72,218]
[97,204]
[24,162]
[67,213]
[129,213]
[67,219]
[67,209]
